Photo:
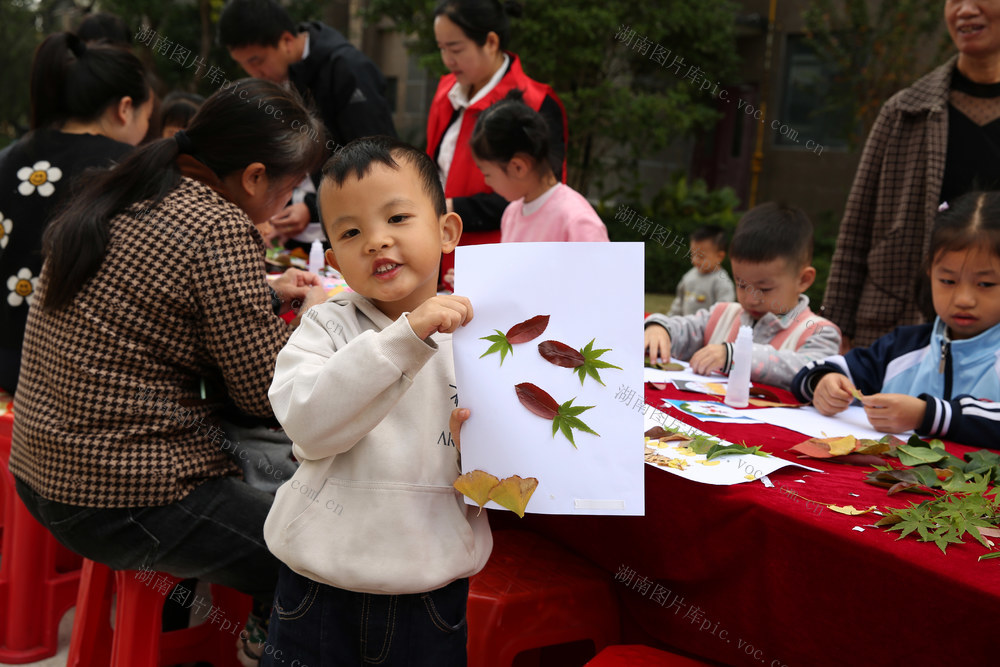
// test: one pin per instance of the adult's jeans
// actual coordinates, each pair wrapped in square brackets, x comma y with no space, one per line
[214,534]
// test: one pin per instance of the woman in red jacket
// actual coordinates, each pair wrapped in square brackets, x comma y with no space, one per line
[472,36]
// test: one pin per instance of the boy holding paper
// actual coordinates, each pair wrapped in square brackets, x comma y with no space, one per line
[771,256]
[375,541]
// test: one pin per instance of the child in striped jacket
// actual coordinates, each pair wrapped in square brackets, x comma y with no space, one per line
[771,256]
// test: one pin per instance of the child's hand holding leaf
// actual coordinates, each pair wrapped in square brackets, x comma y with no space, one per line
[834,393]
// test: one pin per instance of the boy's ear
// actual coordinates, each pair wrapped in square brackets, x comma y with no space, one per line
[331,259]
[806,277]
[451,231]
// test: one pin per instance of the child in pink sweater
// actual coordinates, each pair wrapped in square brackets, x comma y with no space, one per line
[510,144]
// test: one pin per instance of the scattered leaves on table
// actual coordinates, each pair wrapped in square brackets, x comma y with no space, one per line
[947,519]
[851,510]
[514,493]
[665,461]
[519,333]
[763,403]
[933,470]
[670,366]
[477,485]
[847,449]
[564,417]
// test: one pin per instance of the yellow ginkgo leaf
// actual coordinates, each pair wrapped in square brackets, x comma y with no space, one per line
[843,445]
[856,394]
[851,510]
[514,493]
[477,485]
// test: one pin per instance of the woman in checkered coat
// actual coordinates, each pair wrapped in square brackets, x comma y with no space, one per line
[153,286]
[932,142]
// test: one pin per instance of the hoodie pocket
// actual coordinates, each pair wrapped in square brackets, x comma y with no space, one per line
[381,537]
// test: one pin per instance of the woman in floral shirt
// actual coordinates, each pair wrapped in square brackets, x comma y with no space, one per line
[89,106]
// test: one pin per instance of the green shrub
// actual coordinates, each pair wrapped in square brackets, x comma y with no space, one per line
[677,210]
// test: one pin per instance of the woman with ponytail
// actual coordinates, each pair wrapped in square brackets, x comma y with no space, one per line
[153,289]
[472,36]
[89,106]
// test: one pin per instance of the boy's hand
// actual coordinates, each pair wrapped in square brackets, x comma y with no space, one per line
[443,314]
[458,417]
[833,394]
[894,413]
[709,358]
[657,343]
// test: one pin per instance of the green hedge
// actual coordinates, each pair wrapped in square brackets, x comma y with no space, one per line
[681,207]
[677,210]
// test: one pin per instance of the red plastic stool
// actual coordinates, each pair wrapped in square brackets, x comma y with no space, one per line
[136,639]
[635,655]
[534,594]
[38,576]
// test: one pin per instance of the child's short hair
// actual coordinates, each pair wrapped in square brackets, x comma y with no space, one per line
[971,220]
[773,230]
[713,233]
[179,108]
[509,127]
[253,23]
[358,156]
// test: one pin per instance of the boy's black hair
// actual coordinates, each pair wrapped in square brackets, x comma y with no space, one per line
[179,108]
[253,23]
[358,156]
[773,230]
[713,233]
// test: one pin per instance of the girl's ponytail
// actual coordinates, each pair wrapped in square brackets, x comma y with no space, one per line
[248,121]
[509,127]
[70,80]
[76,241]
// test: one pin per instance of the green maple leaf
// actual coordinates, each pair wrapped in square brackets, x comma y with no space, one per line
[500,344]
[567,419]
[591,362]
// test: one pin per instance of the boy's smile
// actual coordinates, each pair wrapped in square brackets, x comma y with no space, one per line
[385,236]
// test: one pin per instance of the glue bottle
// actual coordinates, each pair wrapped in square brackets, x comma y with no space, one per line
[316,259]
[738,389]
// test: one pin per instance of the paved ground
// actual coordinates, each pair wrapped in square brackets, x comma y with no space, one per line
[59,659]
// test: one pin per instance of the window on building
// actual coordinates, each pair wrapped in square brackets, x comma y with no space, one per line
[807,114]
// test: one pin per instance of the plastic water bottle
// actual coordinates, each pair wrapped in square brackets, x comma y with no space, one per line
[738,389]
[316,259]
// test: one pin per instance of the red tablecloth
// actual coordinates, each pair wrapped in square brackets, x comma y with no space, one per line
[758,577]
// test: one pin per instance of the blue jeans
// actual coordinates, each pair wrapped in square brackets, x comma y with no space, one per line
[215,534]
[315,625]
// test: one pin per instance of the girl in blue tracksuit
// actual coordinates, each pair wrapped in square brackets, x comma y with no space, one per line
[939,379]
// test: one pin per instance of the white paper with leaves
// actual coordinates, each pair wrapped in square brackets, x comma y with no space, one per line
[589,291]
